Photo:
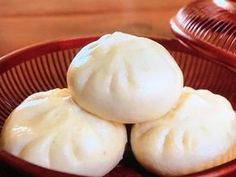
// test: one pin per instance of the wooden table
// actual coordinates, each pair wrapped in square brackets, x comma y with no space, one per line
[25,22]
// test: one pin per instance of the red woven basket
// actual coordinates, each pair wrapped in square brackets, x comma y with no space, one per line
[44,66]
[208,26]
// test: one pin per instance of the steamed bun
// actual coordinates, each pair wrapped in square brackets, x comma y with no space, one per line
[50,130]
[199,133]
[125,78]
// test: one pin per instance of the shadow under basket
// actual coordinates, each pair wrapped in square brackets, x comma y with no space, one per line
[44,66]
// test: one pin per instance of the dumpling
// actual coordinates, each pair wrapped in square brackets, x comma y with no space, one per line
[50,130]
[199,133]
[125,78]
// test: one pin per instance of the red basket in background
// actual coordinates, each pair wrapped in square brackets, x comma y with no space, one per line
[44,66]
[208,26]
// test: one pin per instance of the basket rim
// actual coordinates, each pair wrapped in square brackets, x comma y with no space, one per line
[40,48]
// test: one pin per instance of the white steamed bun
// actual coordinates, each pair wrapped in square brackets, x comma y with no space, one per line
[50,130]
[125,78]
[199,133]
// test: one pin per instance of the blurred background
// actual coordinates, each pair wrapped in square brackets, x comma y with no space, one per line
[25,22]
